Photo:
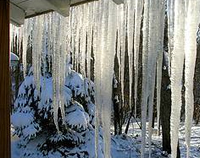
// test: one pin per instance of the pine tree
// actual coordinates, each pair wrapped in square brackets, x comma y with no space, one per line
[33,121]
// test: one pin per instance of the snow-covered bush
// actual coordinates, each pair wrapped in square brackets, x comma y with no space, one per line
[33,120]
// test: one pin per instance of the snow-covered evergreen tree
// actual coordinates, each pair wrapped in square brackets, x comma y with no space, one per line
[33,121]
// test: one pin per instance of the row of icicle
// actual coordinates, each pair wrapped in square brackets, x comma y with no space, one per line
[97,27]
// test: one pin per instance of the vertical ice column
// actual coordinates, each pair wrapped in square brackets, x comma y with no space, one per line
[130,35]
[25,42]
[154,13]
[156,30]
[107,68]
[83,34]
[144,74]
[170,17]
[190,58]
[37,43]
[138,19]
[104,50]
[122,38]
[177,72]
[59,48]
[160,59]
[90,22]
[97,34]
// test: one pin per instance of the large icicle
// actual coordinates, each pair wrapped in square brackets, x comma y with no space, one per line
[83,34]
[130,30]
[107,72]
[122,38]
[144,74]
[26,33]
[190,58]
[64,26]
[152,56]
[97,69]
[37,49]
[177,72]
[90,19]
[59,47]
[159,61]
[104,49]
[156,28]
[138,18]
[170,17]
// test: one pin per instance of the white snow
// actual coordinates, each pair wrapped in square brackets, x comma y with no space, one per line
[76,117]
[25,119]
[13,57]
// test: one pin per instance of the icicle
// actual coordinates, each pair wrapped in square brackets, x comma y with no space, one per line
[59,47]
[156,28]
[56,68]
[122,38]
[138,18]
[97,73]
[170,14]
[190,59]
[107,52]
[160,59]
[37,49]
[130,29]
[144,74]
[49,38]
[177,72]
[118,35]
[25,42]
[83,26]
[72,37]
[152,56]
[11,37]
[63,54]
[90,19]
[103,50]
[77,37]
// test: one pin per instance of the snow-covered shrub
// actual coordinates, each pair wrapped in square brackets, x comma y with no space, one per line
[33,120]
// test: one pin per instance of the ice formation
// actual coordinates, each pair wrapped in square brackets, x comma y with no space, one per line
[177,72]
[144,75]
[190,58]
[103,28]
[138,19]
[160,60]
[130,35]
[103,69]
[170,16]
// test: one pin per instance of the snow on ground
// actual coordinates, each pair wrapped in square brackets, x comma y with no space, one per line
[129,146]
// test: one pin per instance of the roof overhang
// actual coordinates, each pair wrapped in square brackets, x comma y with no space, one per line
[22,9]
